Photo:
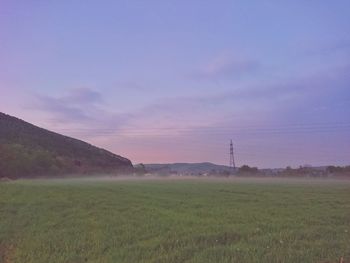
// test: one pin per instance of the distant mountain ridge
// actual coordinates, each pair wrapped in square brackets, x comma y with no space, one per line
[188,168]
[27,150]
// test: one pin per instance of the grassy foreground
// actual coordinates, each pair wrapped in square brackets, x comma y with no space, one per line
[174,221]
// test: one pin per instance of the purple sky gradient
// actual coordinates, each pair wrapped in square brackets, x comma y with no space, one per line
[174,81]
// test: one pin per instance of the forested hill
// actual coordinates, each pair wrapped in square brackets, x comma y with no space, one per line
[27,150]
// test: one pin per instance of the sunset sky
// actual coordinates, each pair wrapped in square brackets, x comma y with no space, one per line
[174,81]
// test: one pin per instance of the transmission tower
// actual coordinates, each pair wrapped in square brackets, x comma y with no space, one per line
[232,159]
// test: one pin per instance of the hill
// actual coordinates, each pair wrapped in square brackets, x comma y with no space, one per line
[27,150]
[188,168]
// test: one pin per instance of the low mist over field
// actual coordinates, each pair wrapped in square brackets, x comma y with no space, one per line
[103,178]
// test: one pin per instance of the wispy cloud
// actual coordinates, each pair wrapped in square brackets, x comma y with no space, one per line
[226,66]
[245,104]
[76,105]
[269,103]
[82,96]
[79,111]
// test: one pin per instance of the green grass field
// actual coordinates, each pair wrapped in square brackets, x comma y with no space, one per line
[174,221]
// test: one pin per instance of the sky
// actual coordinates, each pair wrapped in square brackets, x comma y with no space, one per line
[174,81]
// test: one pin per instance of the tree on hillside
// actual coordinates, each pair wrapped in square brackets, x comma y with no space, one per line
[246,169]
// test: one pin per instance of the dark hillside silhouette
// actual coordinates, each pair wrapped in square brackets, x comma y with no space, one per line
[27,150]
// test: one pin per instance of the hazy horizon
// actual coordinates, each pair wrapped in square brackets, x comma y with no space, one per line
[170,82]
